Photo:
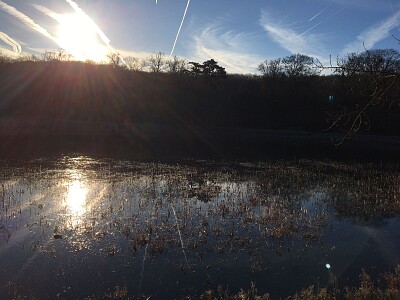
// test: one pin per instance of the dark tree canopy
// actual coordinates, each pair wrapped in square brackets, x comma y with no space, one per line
[271,68]
[369,82]
[290,96]
[372,62]
[209,68]
[295,65]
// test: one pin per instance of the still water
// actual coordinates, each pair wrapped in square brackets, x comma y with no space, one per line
[75,227]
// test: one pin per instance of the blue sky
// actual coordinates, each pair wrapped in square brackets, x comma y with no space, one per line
[238,34]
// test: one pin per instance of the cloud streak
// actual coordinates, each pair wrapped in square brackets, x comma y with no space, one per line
[180,27]
[292,41]
[373,35]
[11,42]
[26,20]
[47,11]
[227,47]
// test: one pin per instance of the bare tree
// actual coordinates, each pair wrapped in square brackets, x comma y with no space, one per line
[372,62]
[114,59]
[297,65]
[134,63]
[56,55]
[176,65]
[271,68]
[24,58]
[4,59]
[90,62]
[156,62]
[369,79]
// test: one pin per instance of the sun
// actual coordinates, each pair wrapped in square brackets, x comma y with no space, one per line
[78,37]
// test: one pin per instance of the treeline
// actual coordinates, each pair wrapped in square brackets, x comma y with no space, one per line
[155,63]
[294,92]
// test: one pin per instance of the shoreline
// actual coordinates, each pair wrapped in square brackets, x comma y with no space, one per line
[161,142]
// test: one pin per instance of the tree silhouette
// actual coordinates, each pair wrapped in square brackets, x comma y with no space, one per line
[56,55]
[212,69]
[114,59]
[176,65]
[134,63]
[271,68]
[156,62]
[372,62]
[297,65]
[209,69]
[195,69]
[368,79]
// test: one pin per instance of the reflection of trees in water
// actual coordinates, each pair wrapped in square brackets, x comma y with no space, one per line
[203,189]
[365,194]
[370,206]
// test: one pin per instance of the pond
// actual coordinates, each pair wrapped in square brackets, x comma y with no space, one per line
[76,227]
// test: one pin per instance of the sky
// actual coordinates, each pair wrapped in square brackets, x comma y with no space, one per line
[238,34]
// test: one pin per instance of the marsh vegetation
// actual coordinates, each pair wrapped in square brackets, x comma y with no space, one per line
[76,227]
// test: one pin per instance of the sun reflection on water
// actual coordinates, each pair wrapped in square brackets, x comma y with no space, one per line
[76,203]
[76,197]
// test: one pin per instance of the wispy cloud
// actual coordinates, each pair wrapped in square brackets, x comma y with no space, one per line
[11,42]
[234,62]
[25,20]
[227,47]
[373,35]
[291,40]
[46,11]
[132,53]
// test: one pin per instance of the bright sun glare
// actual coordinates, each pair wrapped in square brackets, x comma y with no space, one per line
[76,197]
[78,37]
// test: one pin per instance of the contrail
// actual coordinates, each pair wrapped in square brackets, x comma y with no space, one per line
[180,27]
[11,42]
[326,19]
[301,34]
[26,20]
[316,15]
[283,20]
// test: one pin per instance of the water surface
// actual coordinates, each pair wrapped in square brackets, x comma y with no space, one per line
[76,226]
